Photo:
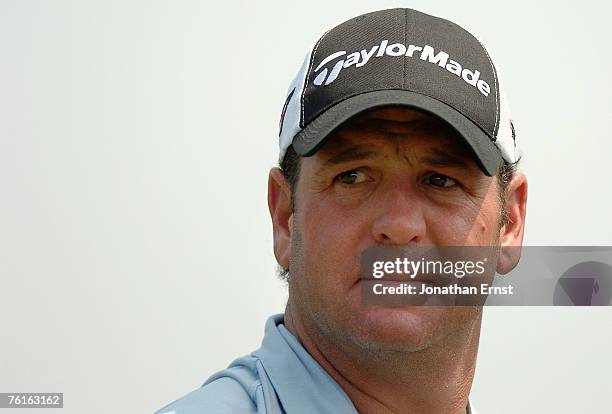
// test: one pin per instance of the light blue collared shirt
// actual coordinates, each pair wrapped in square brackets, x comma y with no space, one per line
[279,378]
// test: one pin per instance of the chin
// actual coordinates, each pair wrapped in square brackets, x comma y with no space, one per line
[405,329]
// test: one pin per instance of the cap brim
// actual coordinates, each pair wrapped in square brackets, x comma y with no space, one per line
[310,139]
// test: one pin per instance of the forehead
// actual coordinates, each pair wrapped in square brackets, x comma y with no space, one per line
[389,123]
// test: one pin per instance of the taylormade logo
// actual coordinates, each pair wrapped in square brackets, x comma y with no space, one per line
[425,53]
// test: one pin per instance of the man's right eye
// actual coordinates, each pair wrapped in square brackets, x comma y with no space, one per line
[351,177]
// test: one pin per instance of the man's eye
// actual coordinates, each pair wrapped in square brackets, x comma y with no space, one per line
[439,180]
[351,177]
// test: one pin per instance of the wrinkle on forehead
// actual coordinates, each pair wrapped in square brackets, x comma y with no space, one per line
[395,132]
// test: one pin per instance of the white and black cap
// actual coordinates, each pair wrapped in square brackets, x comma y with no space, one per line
[400,57]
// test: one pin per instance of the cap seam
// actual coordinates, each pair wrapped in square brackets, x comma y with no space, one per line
[497,92]
[405,42]
[310,65]
[284,111]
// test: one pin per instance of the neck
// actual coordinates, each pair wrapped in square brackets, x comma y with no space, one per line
[434,380]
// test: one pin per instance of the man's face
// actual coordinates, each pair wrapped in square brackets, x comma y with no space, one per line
[393,176]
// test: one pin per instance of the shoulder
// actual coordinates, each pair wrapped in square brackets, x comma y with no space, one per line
[231,391]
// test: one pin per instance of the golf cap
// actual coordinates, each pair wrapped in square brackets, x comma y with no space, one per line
[400,57]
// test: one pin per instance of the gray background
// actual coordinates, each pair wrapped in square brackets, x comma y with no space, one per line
[135,140]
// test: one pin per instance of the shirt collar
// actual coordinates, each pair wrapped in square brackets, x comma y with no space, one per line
[301,384]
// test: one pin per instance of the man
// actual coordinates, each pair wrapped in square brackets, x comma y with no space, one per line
[393,133]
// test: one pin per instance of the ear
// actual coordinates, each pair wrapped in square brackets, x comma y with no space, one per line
[279,204]
[511,234]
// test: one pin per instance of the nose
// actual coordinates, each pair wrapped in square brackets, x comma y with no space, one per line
[400,219]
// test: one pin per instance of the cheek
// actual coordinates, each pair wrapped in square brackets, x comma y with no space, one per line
[331,239]
[469,223]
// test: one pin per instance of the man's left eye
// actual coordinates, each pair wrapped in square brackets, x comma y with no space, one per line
[439,180]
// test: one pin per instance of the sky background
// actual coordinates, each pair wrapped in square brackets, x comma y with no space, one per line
[135,142]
